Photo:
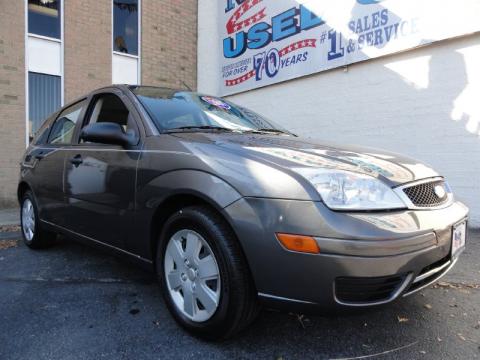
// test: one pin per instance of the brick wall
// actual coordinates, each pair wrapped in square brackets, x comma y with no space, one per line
[12,97]
[88,46]
[169,43]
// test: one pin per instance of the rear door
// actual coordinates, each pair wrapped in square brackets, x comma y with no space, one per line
[47,163]
[100,179]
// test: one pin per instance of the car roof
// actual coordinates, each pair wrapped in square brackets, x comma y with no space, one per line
[122,87]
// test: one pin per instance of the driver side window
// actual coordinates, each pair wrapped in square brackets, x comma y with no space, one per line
[110,108]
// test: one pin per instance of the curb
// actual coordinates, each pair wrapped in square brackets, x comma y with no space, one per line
[12,235]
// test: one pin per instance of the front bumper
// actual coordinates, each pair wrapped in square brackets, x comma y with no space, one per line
[398,252]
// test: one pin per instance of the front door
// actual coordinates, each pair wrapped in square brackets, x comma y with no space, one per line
[100,179]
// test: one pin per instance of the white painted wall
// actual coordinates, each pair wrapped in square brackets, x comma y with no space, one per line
[44,55]
[124,69]
[424,103]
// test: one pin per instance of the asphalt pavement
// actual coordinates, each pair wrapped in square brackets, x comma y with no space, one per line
[75,302]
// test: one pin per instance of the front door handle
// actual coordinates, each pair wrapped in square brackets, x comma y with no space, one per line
[77,160]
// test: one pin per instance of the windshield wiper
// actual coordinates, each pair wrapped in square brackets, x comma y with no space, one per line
[273,131]
[267,130]
[219,128]
[206,127]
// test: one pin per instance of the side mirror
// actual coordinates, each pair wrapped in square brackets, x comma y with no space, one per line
[106,133]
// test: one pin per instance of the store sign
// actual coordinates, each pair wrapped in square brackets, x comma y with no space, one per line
[264,42]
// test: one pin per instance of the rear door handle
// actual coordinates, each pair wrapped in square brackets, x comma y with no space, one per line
[77,160]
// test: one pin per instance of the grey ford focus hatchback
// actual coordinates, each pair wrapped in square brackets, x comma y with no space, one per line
[233,212]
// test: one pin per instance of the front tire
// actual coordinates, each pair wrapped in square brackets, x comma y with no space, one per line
[203,274]
[33,235]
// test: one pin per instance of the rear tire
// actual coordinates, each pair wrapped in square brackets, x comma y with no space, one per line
[33,234]
[232,302]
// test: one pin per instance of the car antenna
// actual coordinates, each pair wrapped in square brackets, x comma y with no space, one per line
[182,82]
[185,84]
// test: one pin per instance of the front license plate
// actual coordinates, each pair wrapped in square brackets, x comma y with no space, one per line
[458,238]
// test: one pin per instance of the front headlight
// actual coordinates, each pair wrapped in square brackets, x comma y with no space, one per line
[344,190]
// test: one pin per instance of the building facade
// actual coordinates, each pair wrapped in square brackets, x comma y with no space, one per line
[421,99]
[53,51]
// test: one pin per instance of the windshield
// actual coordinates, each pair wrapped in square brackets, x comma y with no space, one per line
[173,110]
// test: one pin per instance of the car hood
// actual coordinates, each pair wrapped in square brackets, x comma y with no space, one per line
[290,152]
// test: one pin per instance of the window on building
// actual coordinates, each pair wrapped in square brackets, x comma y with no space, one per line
[44,98]
[125,26]
[44,18]
[64,126]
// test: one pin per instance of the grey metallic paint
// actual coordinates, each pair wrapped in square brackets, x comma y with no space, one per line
[113,196]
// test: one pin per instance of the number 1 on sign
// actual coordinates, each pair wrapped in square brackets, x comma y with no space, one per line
[336,48]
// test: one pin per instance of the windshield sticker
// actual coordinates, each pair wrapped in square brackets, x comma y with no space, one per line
[216,102]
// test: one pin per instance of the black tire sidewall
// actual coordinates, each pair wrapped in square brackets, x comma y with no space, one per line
[41,239]
[192,219]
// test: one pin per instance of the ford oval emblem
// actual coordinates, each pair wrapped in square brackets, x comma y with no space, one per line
[439,191]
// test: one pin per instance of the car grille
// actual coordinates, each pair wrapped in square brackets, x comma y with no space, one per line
[423,195]
[357,290]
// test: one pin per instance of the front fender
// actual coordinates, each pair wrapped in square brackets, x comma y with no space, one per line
[202,184]
[152,194]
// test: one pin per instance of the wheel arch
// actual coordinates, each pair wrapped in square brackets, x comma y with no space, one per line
[22,188]
[161,196]
[177,201]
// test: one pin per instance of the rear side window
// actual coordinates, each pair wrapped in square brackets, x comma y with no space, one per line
[64,126]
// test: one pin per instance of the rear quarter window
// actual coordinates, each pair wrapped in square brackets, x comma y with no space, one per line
[64,126]
[41,136]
